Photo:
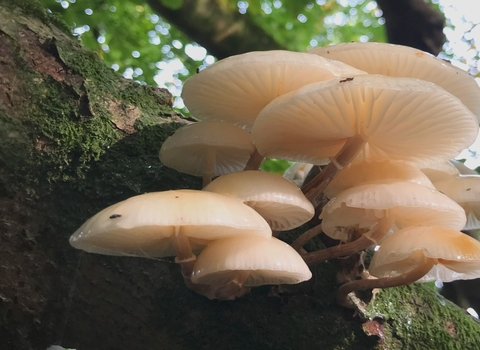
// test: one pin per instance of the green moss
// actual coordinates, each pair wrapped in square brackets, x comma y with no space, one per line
[34,9]
[417,317]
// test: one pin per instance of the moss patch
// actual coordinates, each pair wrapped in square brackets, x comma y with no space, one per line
[416,317]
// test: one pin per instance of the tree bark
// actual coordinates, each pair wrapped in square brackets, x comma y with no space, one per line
[224,32]
[76,138]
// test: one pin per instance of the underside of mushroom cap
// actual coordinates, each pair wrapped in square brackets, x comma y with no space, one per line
[189,149]
[143,225]
[406,203]
[399,118]
[403,61]
[238,87]
[458,254]
[279,201]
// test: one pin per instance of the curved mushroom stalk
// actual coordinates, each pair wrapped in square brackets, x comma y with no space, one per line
[255,161]
[422,266]
[369,238]
[305,237]
[234,288]
[344,157]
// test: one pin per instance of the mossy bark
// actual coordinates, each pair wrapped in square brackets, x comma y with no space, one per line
[75,138]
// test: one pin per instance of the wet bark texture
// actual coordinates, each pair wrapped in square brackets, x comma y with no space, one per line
[75,138]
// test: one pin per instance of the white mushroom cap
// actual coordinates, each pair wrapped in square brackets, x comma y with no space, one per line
[266,260]
[238,87]
[144,225]
[404,61]
[371,172]
[195,148]
[457,255]
[280,202]
[399,118]
[406,203]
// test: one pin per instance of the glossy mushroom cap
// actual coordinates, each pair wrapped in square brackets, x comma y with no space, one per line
[262,261]
[371,172]
[280,202]
[456,254]
[405,203]
[398,118]
[144,225]
[404,61]
[238,87]
[214,146]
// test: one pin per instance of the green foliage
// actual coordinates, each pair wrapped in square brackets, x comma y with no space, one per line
[138,43]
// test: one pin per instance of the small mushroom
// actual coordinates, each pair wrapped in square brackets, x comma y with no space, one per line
[422,254]
[231,266]
[169,223]
[209,148]
[375,171]
[280,202]
[465,190]
[363,215]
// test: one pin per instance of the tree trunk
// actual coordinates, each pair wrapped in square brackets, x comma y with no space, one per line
[75,138]
[223,31]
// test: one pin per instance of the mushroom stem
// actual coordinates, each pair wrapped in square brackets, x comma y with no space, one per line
[305,237]
[254,161]
[209,166]
[344,157]
[183,253]
[233,288]
[423,266]
[364,241]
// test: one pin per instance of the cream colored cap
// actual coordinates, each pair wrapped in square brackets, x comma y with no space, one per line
[399,118]
[143,225]
[404,61]
[220,146]
[406,203]
[280,202]
[238,87]
[457,254]
[371,172]
[267,261]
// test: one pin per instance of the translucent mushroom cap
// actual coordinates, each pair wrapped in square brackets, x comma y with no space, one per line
[238,87]
[404,61]
[371,172]
[143,225]
[465,190]
[279,201]
[267,261]
[406,203]
[192,148]
[457,254]
[399,118]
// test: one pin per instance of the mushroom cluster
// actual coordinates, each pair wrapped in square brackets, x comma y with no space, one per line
[377,116]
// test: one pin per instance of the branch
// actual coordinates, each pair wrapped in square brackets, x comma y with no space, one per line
[413,23]
[222,31]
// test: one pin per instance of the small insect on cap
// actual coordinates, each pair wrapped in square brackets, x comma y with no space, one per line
[144,225]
